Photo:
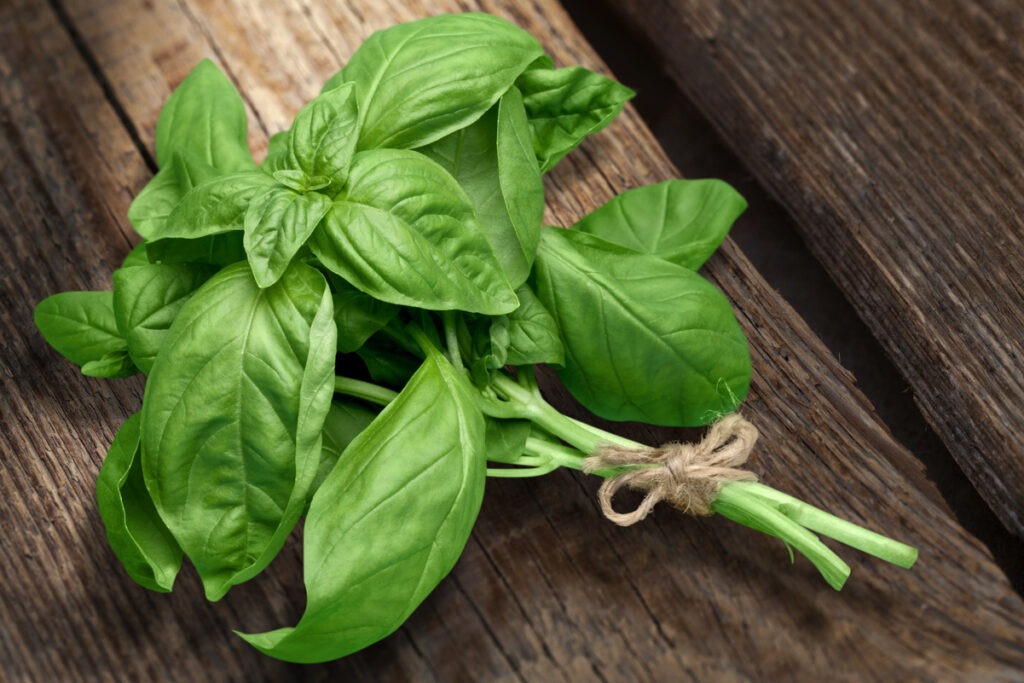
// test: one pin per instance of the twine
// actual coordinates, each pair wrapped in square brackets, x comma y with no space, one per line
[685,475]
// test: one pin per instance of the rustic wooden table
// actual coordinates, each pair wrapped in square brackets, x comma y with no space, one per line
[546,590]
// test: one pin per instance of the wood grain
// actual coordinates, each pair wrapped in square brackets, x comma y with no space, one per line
[894,133]
[545,590]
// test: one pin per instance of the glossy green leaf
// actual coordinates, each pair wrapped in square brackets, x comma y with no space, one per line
[644,339]
[322,139]
[533,332]
[277,153]
[494,162]
[506,439]
[357,315]
[419,81]
[405,233]
[221,249]
[566,105]
[81,326]
[277,224]
[215,206]
[232,418]
[205,116]
[114,364]
[346,420]
[388,363]
[151,208]
[682,221]
[147,299]
[136,257]
[390,520]
[139,538]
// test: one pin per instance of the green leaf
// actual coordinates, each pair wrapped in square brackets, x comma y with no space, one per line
[277,153]
[217,250]
[277,224]
[322,139]
[151,208]
[506,439]
[232,418]
[136,257]
[533,333]
[147,299]
[405,234]
[205,117]
[494,162]
[388,363]
[644,339]
[483,341]
[682,221]
[345,421]
[114,364]
[419,81]
[81,326]
[215,206]
[406,502]
[566,105]
[136,534]
[357,315]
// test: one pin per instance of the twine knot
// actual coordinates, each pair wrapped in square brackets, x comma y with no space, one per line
[688,476]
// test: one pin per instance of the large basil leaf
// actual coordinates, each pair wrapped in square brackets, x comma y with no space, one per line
[232,418]
[419,81]
[139,538]
[406,502]
[682,221]
[81,326]
[151,208]
[494,162]
[644,339]
[405,233]
[322,139]
[533,333]
[147,299]
[566,105]
[277,224]
[205,116]
[214,206]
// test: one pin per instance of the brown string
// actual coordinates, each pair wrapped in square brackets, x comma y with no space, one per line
[688,476]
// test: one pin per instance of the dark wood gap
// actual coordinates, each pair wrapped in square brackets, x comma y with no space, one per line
[767,235]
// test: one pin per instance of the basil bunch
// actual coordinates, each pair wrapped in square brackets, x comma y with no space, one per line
[346,331]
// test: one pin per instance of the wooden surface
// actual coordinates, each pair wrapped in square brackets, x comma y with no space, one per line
[894,134]
[546,590]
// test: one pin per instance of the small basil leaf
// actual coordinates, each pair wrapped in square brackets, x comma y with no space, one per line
[277,224]
[405,234]
[222,249]
[114,364]
[205,116]
[136,534]
[566,105]
[682,221]
[322,139]
[533,333]
[215,206]
[147,299]
[277,153]
[388,363]
[494,162]
[150,209]
[407,503]
[136,257]
[419,81]
[345,421]
[506,439]
[299,181]
[644,339]
[357,315]
[232,418]
[81,326]
[485,339]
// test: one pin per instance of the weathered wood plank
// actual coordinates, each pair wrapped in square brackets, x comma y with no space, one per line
[545,590]
[893,133]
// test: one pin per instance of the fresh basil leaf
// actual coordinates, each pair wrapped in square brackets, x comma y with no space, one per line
[138,537]
[150,209]
[533,333]
[419,81]
[205,116]
[147,299]
[232,418]
[493,161]
[388,363]
[485,339]
[682,221]
[277,224]
[644,339]
[277,153]
[81,326]
[114,364]
[405,233]
[406,502]
[221,249]
[137,256]
[322,139]
[215,206]
[357,315]
[566,105]
[506,439]
[345,421]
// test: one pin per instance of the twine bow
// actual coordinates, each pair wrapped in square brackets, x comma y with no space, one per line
[688,476]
